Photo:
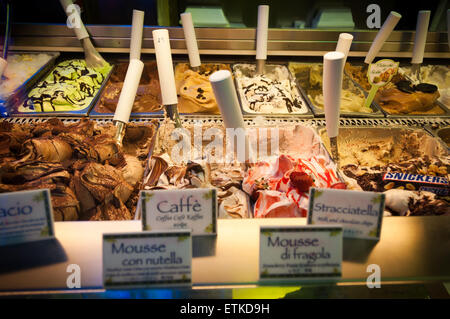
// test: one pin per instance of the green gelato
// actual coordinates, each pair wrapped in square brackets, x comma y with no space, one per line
[71,86]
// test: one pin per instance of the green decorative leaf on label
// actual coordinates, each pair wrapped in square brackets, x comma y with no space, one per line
[110,240]
[373,232]
[266,233]
[264,273]
[317,194]
[335,270]
[209,228]
[312,222]
[108,280]
[377,199]
[182,238]
[44,231]
[335,233]
[39,197]
[147,227]
[208,195]
[148,196]
[184,277]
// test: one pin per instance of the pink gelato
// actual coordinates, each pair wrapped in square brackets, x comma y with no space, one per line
[281,189]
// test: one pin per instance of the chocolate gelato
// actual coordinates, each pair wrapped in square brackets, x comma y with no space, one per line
[89,176]
[148,95]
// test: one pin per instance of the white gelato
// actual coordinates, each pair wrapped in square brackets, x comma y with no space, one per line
[438,75]
[271,93]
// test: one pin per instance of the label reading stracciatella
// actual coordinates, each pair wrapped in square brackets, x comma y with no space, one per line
[360,213]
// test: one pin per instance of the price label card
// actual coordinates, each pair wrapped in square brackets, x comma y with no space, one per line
[359,213]
[379,74]
[194,209]
[304,252]
[25,216]
[147,259]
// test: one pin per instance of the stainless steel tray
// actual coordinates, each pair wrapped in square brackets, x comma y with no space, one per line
[390,115]
[242,100]
[7,106]
[318,112]
[79,113]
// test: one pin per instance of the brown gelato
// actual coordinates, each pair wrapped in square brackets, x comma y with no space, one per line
[89,176]
[166,171]
[148,96]
[395,101]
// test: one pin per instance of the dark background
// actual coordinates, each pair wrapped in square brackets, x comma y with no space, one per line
[282,12]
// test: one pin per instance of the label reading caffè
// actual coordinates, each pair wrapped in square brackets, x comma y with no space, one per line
[25,216]
[307,252]
[360,213]
[193,209]
[147,259]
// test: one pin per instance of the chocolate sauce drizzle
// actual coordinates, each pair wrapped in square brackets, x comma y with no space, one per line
[263,93]
[85,90]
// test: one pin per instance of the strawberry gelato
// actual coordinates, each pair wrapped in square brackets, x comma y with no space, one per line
[281,189]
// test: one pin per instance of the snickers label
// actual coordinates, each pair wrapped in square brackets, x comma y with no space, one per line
[435,184]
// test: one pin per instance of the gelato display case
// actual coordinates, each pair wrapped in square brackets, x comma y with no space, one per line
[60,135]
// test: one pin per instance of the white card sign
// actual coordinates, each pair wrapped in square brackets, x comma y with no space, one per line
[359,213]
[25,216]
[147,259]
[291,253]
[194,209]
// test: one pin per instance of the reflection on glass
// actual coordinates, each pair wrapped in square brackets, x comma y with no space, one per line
[286,14]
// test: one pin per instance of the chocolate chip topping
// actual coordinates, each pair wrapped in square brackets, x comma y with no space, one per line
[426,88]
[405,86]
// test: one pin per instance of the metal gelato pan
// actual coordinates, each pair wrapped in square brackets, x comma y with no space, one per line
[7,106]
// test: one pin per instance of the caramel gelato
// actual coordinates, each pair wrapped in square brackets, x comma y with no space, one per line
[195,94]
[394,100]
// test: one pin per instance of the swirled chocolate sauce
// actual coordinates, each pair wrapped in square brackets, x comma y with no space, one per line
[273,92]
[70,86]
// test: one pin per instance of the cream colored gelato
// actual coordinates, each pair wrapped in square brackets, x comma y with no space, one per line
[438,75]
[309,76]
[273,92]
[19,69]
